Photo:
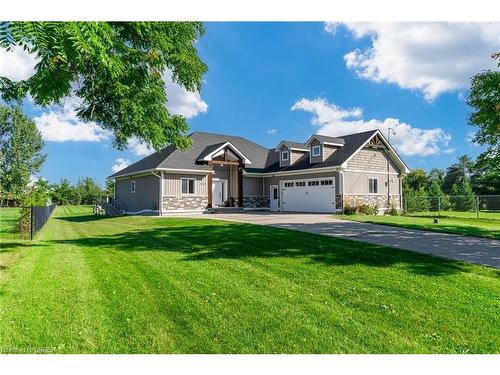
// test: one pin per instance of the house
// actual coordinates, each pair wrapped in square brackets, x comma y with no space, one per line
[320,175]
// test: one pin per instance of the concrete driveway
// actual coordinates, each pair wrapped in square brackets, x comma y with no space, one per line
[470,249]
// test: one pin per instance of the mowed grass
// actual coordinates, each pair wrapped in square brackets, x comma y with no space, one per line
[456,223]
[9,219]
[92,284]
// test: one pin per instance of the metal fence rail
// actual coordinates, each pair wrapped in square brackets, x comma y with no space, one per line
[23,222]
[464,206]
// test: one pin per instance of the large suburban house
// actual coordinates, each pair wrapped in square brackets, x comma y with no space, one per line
[319,175]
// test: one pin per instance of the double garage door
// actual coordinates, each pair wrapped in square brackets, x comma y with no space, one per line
[314,195]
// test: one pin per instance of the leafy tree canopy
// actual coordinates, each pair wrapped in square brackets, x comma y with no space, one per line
[457,173]
[21,154]
[114,69]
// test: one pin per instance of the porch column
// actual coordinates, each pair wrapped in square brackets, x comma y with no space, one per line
[240,185]
[209,186]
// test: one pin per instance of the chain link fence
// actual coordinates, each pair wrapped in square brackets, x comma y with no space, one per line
[463,206]
[23,222]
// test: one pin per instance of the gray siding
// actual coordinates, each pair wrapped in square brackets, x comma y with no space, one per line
[356,183]
[285,163]
[371,159]
[252,186]
[296,155]
[172,184]
[316,159]
[146,193]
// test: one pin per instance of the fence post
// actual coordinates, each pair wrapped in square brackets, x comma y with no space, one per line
[439,206]
[31,221]
[406,205]
[477,206]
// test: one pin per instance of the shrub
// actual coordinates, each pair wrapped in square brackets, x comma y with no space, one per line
[393,209]
[367,209]
[349,209]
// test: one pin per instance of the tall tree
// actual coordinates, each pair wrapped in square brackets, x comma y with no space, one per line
[484,98]
[63,193]
[21,153]
[87,190]
[415,180]
[115,71]
[457,173]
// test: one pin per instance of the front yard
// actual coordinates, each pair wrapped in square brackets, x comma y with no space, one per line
[92,284]
[452,222]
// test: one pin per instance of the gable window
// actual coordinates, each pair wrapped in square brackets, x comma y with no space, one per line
[284,155]
[132,186]
[316,150]
[373,186]
[187,185]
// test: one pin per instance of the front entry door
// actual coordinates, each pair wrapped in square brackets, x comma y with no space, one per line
[218,193]
[274,198]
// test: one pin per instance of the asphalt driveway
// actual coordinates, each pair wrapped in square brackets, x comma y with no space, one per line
[465,248]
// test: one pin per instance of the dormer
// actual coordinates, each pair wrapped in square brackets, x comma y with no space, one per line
[320,147]
[290,152]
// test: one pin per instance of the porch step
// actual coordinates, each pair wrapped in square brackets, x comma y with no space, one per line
[215,210]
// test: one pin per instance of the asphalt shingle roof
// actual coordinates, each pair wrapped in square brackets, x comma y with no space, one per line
[262,159]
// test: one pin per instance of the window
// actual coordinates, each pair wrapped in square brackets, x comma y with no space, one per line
[132,186]
[316,150]
[284,155]
[288,184]
[373,186]
[313,183]
[326,182]
[188,185]
[300,183]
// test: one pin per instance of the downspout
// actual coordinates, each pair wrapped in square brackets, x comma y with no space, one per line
[400,193]
[160,193]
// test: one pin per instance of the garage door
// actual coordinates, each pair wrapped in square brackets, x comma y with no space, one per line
[315,195]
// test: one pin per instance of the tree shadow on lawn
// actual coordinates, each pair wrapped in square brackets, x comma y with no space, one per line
[84,218]
[239,241]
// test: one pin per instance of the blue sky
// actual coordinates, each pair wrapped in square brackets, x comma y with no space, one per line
[274,81]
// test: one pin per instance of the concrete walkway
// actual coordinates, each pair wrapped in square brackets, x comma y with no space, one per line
[470,249]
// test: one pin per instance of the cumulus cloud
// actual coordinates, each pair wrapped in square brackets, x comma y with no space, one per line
[272,131]
[119,164]
[139,148]
[408,140]
[181,101]
[16,64]
[61,124]
[430,57]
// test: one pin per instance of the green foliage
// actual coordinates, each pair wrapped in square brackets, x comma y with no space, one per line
[21,154]
[415,180]
[110,188]
[115,69]
[457,173]
[417,201]
[39,194]
[437,200]
[462,197]
[484,98]
[87,190]
[63,193]
[367,209]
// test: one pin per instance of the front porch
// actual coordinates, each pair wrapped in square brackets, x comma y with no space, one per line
[225,184]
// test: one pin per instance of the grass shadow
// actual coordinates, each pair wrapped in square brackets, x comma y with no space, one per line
[212,240]
[84,218]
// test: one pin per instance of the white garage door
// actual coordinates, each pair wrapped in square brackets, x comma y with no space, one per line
[315,195]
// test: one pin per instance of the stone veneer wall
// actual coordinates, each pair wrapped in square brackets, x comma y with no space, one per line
[256,201]
[185,202]
[379,200]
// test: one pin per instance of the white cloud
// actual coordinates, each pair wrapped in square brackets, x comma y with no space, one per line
[139,148]
[272,131]
[335,121]
[62,125]
[119,164]
[182,102]
[16,64]
[430,57]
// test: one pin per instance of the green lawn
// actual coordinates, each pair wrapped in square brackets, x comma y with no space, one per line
[9,218]
[458,223]
[92,284]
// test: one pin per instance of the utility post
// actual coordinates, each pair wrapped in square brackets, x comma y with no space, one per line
[439,206]
[389,131]
[31,222]
[477,206]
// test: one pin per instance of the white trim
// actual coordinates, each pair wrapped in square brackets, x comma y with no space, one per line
[287,152]
[313,155]
[194,186]
[334,187]
[193,171]
[393,152]
[292,173]
[314,136]
[282,143]
[133,183]
[371,172]
[227,144]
